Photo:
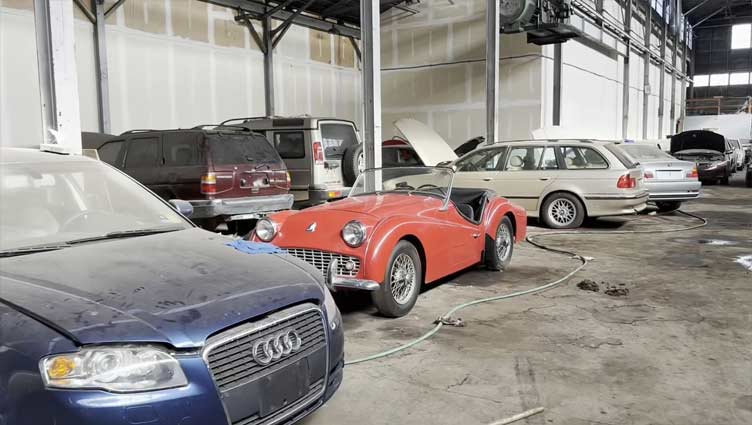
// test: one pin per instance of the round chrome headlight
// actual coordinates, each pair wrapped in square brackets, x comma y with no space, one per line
[354,233]
[265,230]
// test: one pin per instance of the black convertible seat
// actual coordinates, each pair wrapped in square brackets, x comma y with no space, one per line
[470,202]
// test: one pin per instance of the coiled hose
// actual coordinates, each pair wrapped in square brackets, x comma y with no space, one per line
[531,239]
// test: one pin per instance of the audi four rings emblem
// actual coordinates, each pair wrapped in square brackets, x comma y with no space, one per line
[274,347]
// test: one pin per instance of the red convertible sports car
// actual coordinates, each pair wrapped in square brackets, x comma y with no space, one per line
[398,229]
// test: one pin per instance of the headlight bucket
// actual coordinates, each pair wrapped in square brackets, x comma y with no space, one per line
[118,369]
[354,233]
[265,229]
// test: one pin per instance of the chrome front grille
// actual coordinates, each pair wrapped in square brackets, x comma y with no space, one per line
[229,355]
[322,259]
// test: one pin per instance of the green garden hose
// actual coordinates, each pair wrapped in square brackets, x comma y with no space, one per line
[531,239]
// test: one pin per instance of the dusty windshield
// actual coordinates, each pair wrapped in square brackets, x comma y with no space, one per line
[54,203]
[409,180]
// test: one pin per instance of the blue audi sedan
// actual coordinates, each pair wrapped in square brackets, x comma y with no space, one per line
[115,309]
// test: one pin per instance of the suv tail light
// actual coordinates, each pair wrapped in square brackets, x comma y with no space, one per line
[318,153]
[648,174]
[693,174]
[209,184]
[626,182]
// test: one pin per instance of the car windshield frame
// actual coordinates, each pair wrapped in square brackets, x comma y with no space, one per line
[445,196]
[68,179]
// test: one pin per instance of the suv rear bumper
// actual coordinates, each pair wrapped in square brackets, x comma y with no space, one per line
[252,207]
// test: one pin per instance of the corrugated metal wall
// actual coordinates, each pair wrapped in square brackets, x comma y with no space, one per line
[176,63]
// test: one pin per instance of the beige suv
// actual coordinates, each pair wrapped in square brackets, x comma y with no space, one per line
[559,181]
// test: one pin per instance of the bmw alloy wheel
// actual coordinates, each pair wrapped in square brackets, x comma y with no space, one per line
[403,280]
[562,211]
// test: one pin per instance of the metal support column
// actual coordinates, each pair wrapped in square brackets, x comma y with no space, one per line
[58,82]
[662,87]
[268,40]
[557,84]
[103,88]
[646,80]
[626,82]
[677,19]
[683,115]
[370,36]
[493,30]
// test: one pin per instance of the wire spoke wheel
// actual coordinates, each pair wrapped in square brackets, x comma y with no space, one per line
[562,211]
[503,243]
[403,279]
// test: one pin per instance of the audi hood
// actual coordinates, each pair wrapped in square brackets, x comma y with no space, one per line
[430,146]
[176,288]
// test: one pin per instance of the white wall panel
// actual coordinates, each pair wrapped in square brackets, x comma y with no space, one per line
[158,80]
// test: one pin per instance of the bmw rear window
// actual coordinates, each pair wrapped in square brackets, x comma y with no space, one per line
[622,156]
[228,149]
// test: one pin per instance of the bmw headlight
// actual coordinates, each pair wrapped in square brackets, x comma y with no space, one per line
[354,233]
[265,229]
[120,369]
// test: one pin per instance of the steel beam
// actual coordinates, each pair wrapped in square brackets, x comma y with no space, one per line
[100,57]
[557,84]
[268,41]
[493,30]
[370,28]
[678,17]
[56,56]
[626,82]
[684,80]
[646,79]
[258,9]
[662,86]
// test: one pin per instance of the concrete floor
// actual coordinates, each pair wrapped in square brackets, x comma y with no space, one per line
[676,350]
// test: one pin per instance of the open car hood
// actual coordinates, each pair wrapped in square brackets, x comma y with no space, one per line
[698,139]
[430,146]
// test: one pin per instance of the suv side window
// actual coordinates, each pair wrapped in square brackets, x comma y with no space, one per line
[336,138]
[483,160]
[290,144]
[180,150]
[582,158]
[110,152]
[524,158]
[143,153]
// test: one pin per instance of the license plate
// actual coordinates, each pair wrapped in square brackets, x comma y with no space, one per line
[669,175]
[284,387]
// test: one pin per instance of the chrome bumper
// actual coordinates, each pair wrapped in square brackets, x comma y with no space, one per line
[333,281]
[241,208]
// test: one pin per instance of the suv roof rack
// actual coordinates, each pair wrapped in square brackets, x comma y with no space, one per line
[137,130]
[220,127]
[243,119]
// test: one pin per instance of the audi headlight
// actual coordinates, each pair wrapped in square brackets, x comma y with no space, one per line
[121,369]
[265,229]
[332,312]
[354,233]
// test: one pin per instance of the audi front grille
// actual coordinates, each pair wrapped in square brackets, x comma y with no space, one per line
[236,358]
[322,259]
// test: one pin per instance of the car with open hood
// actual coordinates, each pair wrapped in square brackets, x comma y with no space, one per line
[398,229]
[710,151]
[115,309]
